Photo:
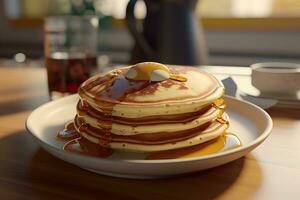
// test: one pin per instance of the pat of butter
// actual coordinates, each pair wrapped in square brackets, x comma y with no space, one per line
[151,71]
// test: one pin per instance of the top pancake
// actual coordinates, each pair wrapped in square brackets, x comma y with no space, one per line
[113,87]
[113,93]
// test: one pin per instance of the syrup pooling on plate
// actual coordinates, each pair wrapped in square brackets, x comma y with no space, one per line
[83,146]
[68,133]
[224,142]
[77,144]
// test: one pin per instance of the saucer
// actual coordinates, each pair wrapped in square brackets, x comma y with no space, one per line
[248,92]
[265,102]
[250,123]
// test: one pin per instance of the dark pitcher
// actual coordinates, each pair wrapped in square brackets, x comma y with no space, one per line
[171,33]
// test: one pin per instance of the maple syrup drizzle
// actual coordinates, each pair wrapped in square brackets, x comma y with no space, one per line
[68,133]
[220,105]
[77,144]
[178,78]
[83,146]
[224,142]
[117,89]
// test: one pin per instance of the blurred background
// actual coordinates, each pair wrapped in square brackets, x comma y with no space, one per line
[236,32]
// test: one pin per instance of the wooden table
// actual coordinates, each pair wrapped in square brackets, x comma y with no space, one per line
[272,171]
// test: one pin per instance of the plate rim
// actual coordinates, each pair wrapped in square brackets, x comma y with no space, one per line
[253,143]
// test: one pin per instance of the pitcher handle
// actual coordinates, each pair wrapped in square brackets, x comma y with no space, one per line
[138,37]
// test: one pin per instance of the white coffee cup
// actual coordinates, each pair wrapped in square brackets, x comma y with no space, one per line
[276,78]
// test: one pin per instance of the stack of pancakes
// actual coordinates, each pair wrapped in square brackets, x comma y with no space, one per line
[148,116]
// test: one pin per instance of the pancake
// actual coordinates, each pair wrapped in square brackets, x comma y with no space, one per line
[135,99]
[183,108]
[124,129]
[211,132]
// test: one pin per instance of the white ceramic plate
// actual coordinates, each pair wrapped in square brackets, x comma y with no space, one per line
[249,122]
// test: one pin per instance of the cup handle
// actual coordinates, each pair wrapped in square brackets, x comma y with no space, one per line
[132,26]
